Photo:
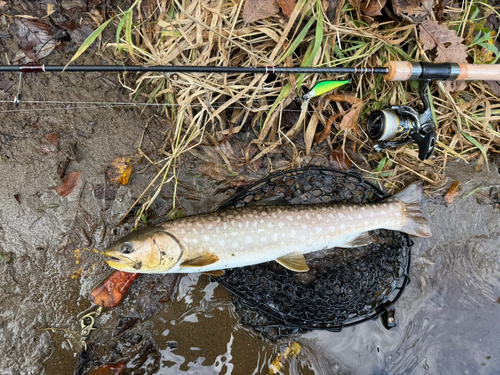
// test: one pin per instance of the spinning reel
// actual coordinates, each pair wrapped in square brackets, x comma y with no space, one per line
[400,125]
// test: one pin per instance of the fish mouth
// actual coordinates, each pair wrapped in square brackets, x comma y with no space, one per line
[123,263]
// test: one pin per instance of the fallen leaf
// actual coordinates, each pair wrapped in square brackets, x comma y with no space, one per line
[320,137]
[49,143]
[69,183]
[120,169]
[449,47]
[2,3]
[373,8]
[35,37]
[110,292]
[50,9]
[258,9]
[287,6]
[350,119]
[452,193]
[483,198]
[412,10]
[114,369]
[339,159]
[214,170]
[332,9]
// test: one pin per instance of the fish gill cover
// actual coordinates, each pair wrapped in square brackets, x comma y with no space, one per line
[343,287]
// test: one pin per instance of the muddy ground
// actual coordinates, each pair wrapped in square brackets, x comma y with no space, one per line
[448,316]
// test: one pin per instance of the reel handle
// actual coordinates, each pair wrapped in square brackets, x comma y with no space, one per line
[417,71]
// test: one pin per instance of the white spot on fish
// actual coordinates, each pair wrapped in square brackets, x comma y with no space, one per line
[384,212]
[349,217]
[209,226]
[372,214]
[195,240]
[360,216]
[217,230]
[330,215]
[293,233]
[261,221]
[240,225]
[319,217]
[183,231]
[342,226]
[367,222]
[274,215]
[222,242]
[206,238]
[224,226]
[263,239]
[308,217]
[247,224]
[289,218]
[260,230]
[304,226]
[350,209]
[363,208]
[249,239]
[234,233]
[318,229]
[281,224]
[341,215]
[275,236]
[299,217]
[235,244]
[270,225]
[254,223]
[398,213]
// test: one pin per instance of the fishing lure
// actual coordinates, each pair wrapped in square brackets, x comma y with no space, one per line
[323,87]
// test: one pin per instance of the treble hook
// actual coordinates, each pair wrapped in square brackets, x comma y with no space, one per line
[17,98]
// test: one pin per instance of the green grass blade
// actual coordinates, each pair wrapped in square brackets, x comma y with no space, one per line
[472,140]
[90,39]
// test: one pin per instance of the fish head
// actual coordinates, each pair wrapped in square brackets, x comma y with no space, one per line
[147,250]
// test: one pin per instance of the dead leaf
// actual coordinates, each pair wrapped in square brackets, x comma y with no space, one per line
[320,137]
[448,45]
[214,170]
[339,159]
[452,193]
[332,9]
[412,10]
[350,119]
[287,6]
[49,143]
[373,8]
[2,3]
[36,38]
[120,169]
[69,183]
[258,9]
[50,9]
[114,369]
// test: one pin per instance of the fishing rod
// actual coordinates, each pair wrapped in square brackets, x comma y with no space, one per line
[392,127]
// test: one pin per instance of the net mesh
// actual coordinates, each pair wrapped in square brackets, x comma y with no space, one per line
[343,287]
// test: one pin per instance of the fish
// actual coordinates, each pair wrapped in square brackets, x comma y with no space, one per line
[239,237]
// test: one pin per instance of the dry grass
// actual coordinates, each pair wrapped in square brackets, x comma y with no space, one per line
[213,107]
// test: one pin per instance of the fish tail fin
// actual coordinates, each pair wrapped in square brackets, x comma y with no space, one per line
[416,224]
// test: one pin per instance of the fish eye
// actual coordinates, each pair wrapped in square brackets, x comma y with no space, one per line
[126,248]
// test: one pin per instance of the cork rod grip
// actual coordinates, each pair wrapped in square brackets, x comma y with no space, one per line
[405,70]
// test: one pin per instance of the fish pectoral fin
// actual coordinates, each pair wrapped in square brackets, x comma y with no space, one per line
[362,240]
[214,273]
[201,261]
[294,262]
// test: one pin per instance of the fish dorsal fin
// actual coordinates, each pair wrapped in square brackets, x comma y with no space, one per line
[294,262]
[201,261]
[362,240]
[214,273]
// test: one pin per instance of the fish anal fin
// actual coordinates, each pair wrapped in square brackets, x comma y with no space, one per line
[201,261]
[214,273]
[362,240]
[294,262]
